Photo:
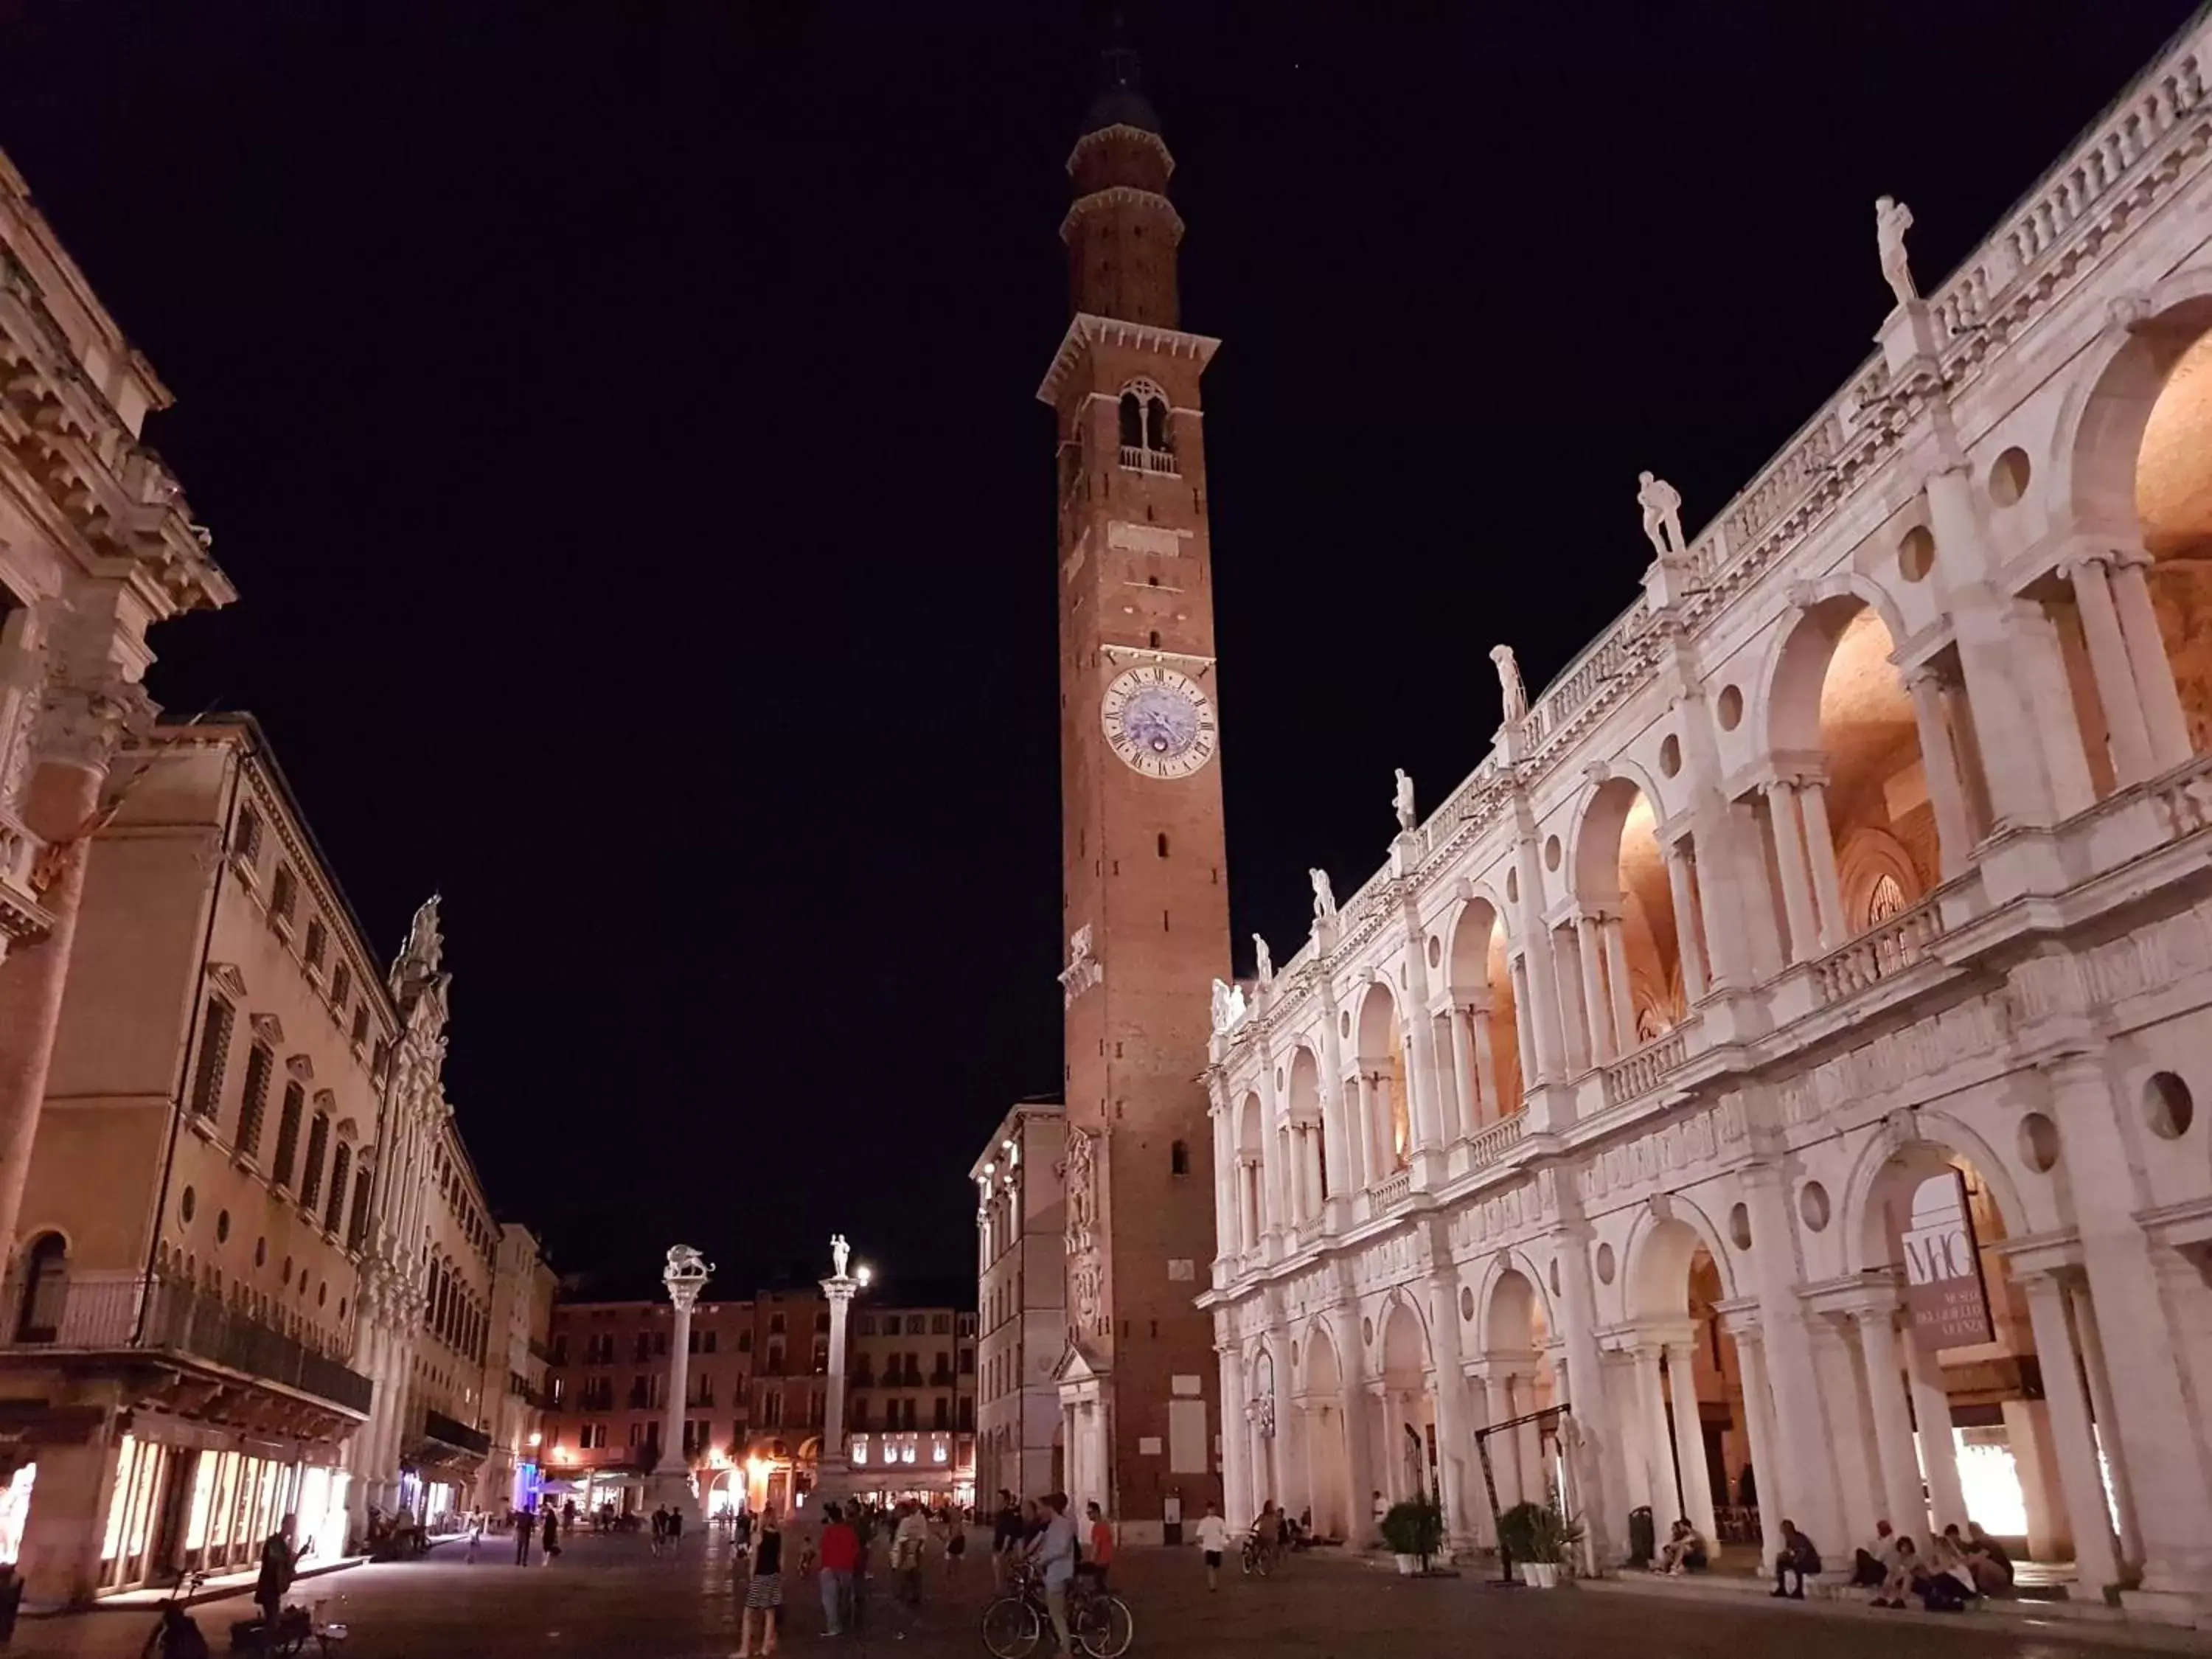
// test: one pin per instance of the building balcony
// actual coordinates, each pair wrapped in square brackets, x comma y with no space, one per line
[1160,463]
[77,1320]
[456,1436]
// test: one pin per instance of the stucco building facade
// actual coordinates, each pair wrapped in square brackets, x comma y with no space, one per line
[1021,1301]
[1781,1052]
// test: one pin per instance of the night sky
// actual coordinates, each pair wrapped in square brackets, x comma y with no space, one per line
[619,421]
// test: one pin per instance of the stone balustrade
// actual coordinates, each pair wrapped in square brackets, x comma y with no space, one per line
[1640,1073]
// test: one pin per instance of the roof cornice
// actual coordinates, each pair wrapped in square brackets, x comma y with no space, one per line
[1121,196]
[1085,331]
[1121,130]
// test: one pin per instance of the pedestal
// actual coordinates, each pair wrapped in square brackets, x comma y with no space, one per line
[670,1489]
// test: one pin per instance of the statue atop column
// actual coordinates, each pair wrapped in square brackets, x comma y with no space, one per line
[1510,691]
[1662,514]
[839,1254]
[1403,802]
[1324,895]
[1892,219]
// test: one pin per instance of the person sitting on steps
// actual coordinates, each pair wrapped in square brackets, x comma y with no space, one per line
[1797,1555]
[1683,1551]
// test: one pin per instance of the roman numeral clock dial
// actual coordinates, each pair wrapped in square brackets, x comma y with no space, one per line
[1159,722]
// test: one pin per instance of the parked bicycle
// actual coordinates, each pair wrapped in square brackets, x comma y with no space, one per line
[1098,1621]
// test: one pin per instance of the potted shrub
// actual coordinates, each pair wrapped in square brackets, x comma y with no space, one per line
[1551,1535]
[1414,1530]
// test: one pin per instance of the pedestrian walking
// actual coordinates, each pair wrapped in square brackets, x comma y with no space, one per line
[476,1528]
[660,1528]
[839,1554]
[908,1541]
[675,1529]
[525,1525]
[1212,1539]
[280,1564]
[552,1539]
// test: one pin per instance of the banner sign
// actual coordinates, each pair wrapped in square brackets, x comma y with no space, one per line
[1944,1293]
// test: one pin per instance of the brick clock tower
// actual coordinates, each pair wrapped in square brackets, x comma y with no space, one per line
[1146,896]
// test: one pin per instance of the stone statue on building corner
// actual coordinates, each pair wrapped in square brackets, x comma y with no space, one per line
[1408,819]
[1510,691]
[1324,895]
[840,1253]
[1228,1005]
[1265,959]
[1892,219]
[1662,514]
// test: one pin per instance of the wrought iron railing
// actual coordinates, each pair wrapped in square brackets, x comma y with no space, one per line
[105,1316]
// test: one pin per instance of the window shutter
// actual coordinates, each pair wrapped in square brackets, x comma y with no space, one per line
[259,1063]
[215,1055]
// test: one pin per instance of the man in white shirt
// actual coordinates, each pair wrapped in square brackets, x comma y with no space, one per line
[1213,1539]
[907,1541]
[1054,1551]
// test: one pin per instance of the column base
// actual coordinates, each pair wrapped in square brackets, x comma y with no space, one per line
[671,1489]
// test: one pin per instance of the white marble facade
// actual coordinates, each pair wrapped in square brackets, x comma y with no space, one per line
[1872,841]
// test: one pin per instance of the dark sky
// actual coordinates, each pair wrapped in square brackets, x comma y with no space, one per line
[618,421]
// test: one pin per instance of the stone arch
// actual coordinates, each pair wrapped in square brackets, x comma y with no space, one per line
[1923,1138]
[1403,1353]
[1629,948]
[1319,1370]
[1514,1307]
[1790,702]
[2131,463]
[1303,1105]
[1478,976]
[1878,876]
[1378,1033]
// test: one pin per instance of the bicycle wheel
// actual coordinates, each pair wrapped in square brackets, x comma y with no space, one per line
[1249,1556]
[1107,1629]
[1012,1629]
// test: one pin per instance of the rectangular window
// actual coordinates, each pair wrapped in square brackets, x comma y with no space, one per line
[319,1144]
[259,1064]
[360,1025]
[710,1342]
[215,1054]
[246,842]
[318,943]
[284,895]
[940,1324]
[341,985]
[287,1133]
[914,1324]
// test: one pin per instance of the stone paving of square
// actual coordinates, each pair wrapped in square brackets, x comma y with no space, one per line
[608,1596]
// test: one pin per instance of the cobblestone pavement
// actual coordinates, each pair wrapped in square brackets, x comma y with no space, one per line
[609,1597]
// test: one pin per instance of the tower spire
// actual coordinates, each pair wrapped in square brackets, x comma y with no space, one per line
[1122,230]
[1118,97]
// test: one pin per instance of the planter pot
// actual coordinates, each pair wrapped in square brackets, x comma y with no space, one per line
[1543,1575]
[1407,1564]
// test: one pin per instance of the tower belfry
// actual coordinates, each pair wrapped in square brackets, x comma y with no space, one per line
[1146,892]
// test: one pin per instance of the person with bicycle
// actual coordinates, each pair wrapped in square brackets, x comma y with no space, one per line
[1268,1536]
[1053,1551]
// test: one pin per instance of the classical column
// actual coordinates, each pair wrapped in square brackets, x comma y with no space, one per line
[1820,849]
[1690,1438]
[1393,1464]
[1907,1511]
[1524,1029]
[1504,1448]
[1309,1136]
[1224,1175]
[1600,1445]
[2168,727]
[1597,1024]
[2088,1332]
[1370,1158]
[1236,1474]
[1248,1202]
[1758,1429]
[1359,1440]
[1802,1476]
[2110,666]
[1680,857]
[1486,1062]
[1938,763]
[73,737]
[1611,929]
[1463,1072]
[685,1276]
[1796,881]
[1658,1455]
[2095,1556]
[1939,1446]
[1455,1441]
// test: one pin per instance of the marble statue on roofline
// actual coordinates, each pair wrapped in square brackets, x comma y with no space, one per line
[1662,514]
[1510,692]
[1403,802]
[1892,219]
[1265,959]
[1324,894]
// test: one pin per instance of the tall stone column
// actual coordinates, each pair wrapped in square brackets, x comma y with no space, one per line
[1371,1153]
[2090,1335]
[1690,1438]
[1464,1071]
[1486,1062]
[1236,1505]
[1680,860]
[81,719]
[1358,1438]
[1796,879]
[2095,1556]
[1598,1435]
[1658,1454]
[2163,720]
[833,1468]
[1597,1020]
[1892,1427]
[1613,930]
[1759,1428]
[1820,852]
[1939,1446]
[685,1276]
[1454,1439]
[1802,1476]
[2109,665]
[1939,762]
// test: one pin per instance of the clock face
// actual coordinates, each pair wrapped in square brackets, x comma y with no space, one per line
[1158,722]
